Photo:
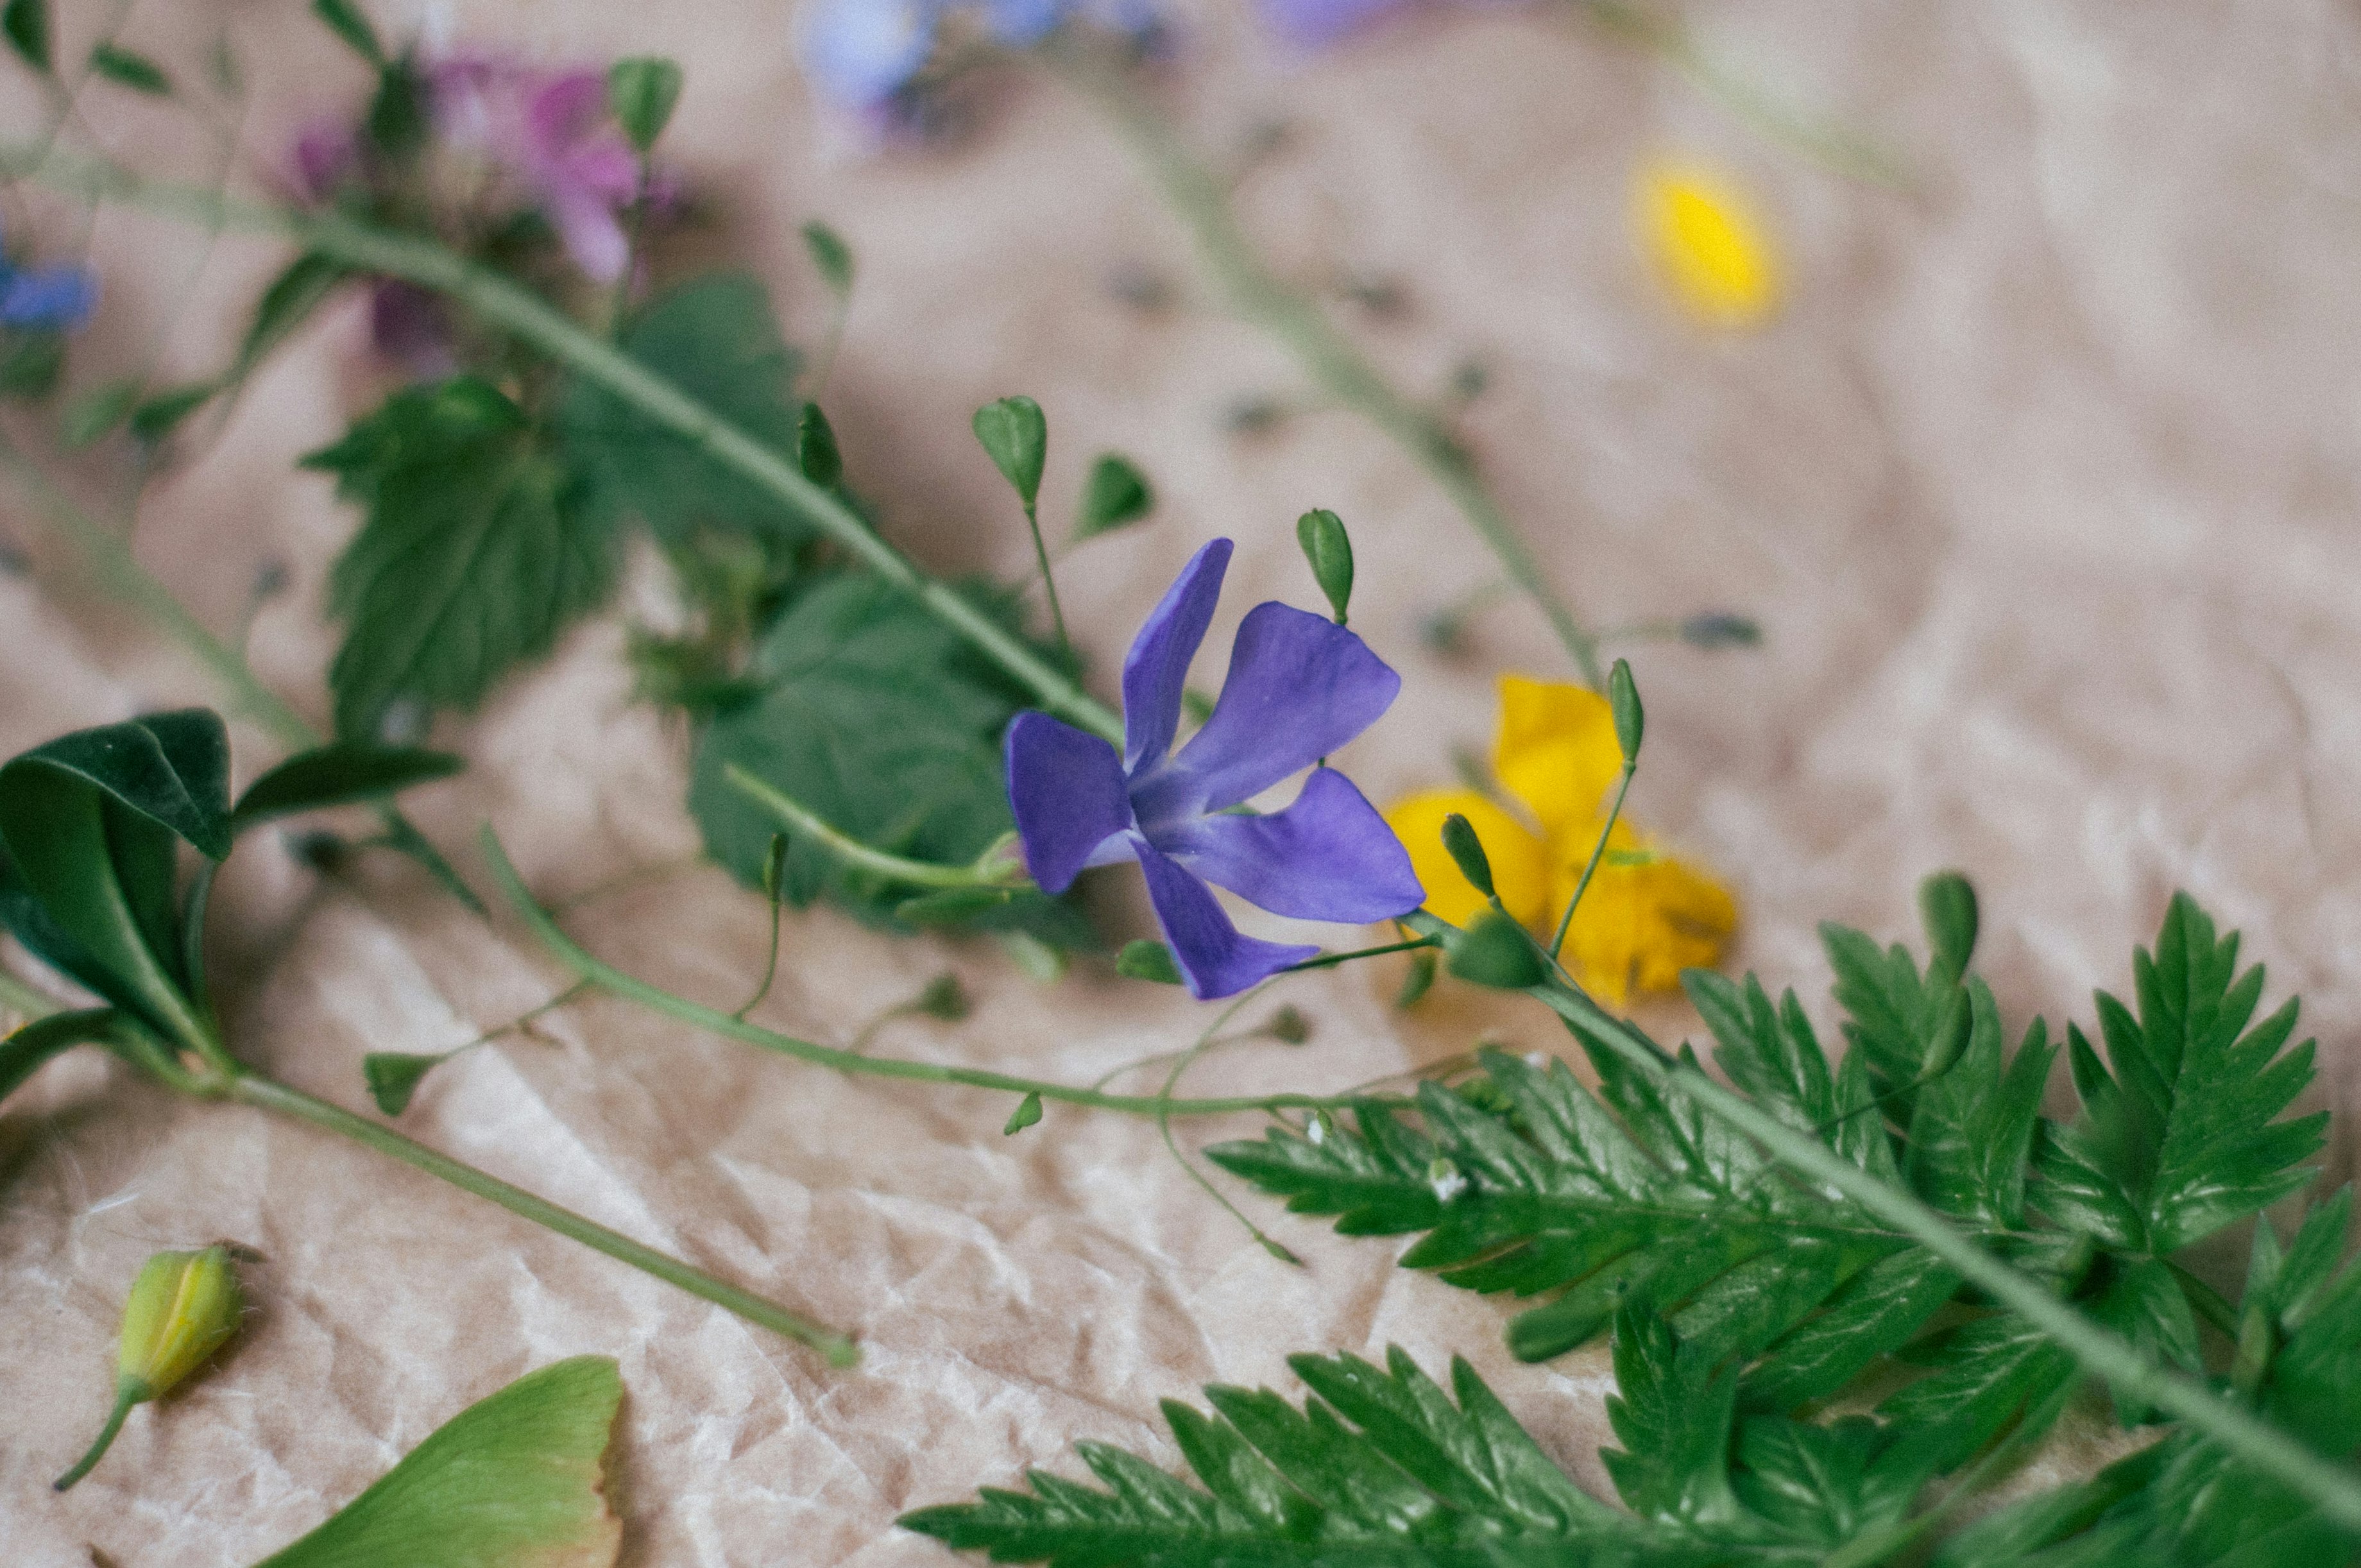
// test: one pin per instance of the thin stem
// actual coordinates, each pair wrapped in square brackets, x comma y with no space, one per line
[1330,961]
[1566,921]
[851,851]
[658,1000]
[1198,197]
[1164,1130]
[270,1095]
[531,320]
[2130,1371]
[110,560]
[1049,578]
[126,1394]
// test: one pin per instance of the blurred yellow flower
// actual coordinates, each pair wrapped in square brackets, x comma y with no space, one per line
[1706,246]
[1647,916]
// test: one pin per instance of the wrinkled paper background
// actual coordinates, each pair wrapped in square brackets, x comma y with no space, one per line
[2044,488]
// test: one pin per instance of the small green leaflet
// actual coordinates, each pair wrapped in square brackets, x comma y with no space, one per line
[1115,496]
[515,1479]
[339,774]
[857,684]
[1016,436]
[2179,1139]
[1147,958]
[26,24]
[393,1077]
[1381,1466]
[129,69]
[831,257]
[714,338]
[345,19]
[641,93]
[476,550]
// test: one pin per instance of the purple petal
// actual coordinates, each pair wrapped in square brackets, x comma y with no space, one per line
[1066,788]
[1299,686]
[1328,857]
[564,110]
[1312,24]
[592,235]
[861,52]
[48,296]
[1215,958]
[1021,24]
[1156,668]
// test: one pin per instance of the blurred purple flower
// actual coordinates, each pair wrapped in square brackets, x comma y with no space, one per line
[408,326]
[1314,24]
[867,55]
[56,298]
[1299,686]
[325,153]
[550,130]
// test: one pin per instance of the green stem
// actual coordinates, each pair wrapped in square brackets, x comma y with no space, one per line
[2335,1489]
[1172,1146]
[1330,961]
[1565,922]
[1049,578]
[531,320]
[658,1000]
[270,1095]
[851,852]
[1197,197]
[129,1391]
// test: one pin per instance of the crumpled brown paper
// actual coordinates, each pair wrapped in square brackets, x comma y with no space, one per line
[2044,488]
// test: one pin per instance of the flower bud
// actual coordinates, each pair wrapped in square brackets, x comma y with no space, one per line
[1329,550]
[181,1308]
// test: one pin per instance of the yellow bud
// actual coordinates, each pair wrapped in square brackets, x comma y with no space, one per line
[181,1308]
[1706,246]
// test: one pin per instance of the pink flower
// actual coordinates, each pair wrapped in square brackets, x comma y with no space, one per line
[550,131]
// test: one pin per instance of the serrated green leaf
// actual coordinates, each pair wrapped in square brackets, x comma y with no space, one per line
[2180,1139]
[339,774]
[130,69]
[1982,1377]
[1115,496]
[516,1478]
[2141,1302]
[856,683]
[27,25]
[477,549]
[715,339]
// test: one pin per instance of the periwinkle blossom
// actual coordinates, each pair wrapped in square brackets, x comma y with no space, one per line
[867,56]
[1299,686]
[551,131]
[46,298]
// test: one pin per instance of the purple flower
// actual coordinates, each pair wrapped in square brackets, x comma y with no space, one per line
[1314,24]
[867,55]
[550,130]
[1299,686]
[54,298]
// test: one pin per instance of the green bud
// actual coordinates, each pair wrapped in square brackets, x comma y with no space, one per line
[641,93]
[1116,496]
[944,998]
[774,868]
[1467,852]
[1016,436]
[1494,950]
[1631,719]
[1148,959]
[1028,1111]
[181,1308]
[817,453]
[1288,1026]
[1329,549]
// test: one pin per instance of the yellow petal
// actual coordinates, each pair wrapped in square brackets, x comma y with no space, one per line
[1521,867]
[1647,916]
[1706,246]
[1556,752]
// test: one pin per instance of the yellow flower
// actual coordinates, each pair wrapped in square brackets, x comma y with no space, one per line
[1706,244]
[182,1308]
[1647,916]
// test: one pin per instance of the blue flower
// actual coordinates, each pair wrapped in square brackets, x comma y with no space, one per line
[56,298]
[1299,686]
[868,54]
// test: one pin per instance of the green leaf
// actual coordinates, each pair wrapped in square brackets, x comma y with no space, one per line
[345,19]
[27,25]
[338,773]
[90,416]
[641,93]
[1329,550]
[856,683]
[1983,1375]
[1115,496]
[2143,1303]
[2180,1139]
[714,338]
[155,417]
[476,550]
[1016,436]
[32,365]
[1028,1111]
[1631,718]
[816,453]
[284,306]
[516,1478]
[1149,959]
[23,1053]
[130,69]
[393,1077]
[1467,852]
[89,821]
[1382,1468]
[831,257]
[1947,902]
